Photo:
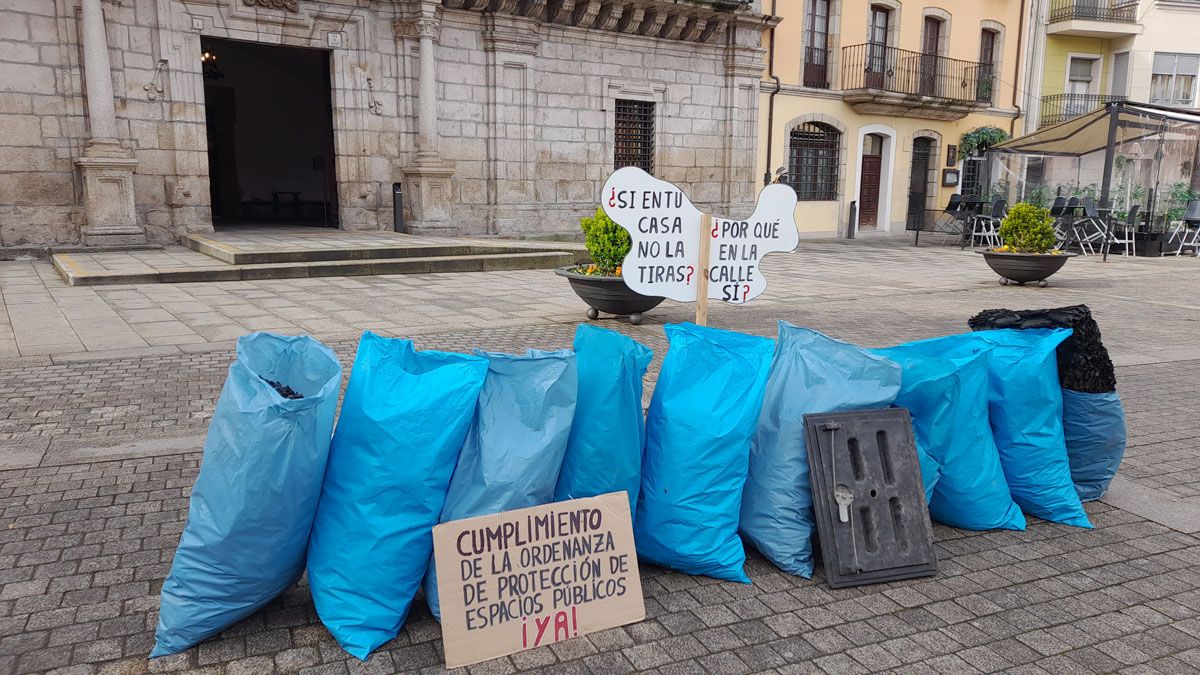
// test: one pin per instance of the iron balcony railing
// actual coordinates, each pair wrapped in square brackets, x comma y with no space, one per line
[877,66]
[1116,11]
[816,68]
[1062,107]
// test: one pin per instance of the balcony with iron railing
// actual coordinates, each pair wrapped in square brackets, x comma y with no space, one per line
[816,68]
[1057,108]
[891,81]
[1093,18]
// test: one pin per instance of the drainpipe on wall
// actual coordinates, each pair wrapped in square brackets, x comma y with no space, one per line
[1012,124]
[771,100]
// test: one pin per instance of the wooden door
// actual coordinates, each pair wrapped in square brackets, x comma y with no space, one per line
[868,196]
[929,55]
[918,182]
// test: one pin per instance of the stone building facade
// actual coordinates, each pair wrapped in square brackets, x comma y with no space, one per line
[496,117]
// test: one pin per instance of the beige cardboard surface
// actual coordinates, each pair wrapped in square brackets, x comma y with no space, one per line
[532,577]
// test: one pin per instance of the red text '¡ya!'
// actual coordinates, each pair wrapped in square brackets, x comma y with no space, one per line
[565,627]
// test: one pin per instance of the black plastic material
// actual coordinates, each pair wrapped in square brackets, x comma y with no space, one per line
[609,295]
[397,208]
[867,460]
[1083,362]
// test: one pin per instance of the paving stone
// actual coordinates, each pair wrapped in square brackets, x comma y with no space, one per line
[97,533]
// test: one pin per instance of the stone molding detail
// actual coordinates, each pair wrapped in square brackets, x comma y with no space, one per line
[678,21]
[428,26]
[292,6]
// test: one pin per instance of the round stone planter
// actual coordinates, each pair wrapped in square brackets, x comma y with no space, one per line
[1022,268]
[609,295]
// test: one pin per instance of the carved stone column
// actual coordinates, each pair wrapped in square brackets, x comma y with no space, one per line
[427,181]
[106,167]
[428,140]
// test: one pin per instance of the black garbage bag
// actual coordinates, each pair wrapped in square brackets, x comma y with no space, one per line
[1093,419]
[1083,362]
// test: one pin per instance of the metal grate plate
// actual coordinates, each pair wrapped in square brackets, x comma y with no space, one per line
[871,515]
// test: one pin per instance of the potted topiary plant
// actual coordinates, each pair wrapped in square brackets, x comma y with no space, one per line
[600,283]
[1028,253]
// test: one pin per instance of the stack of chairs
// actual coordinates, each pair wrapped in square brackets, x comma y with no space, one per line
[986,227]
[1123,233]
[1191,231]
[1090,230]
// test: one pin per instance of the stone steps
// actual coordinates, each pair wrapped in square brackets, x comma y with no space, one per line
[320,249]
[96,270]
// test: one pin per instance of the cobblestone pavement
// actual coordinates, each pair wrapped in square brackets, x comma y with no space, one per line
[103,452]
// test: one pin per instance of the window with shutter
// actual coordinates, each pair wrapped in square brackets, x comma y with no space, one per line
[1081,70]
[1173,81]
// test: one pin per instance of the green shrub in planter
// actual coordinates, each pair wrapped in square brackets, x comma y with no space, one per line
[1027,229]
[607,243]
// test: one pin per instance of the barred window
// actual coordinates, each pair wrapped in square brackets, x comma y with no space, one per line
[634,135]
[813,161]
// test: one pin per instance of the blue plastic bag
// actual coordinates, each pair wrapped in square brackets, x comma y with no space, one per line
[604,453]
[253,503]
[947,400]
[810,373]
[1094,430]
[514,449]
[698,430]
[403,422]
[1026,413]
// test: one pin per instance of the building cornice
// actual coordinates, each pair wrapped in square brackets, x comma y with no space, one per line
[682,20]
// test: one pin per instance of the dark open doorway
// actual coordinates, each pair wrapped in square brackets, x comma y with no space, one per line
[918,182]
[270,134]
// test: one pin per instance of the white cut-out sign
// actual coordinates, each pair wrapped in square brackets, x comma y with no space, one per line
[665,228]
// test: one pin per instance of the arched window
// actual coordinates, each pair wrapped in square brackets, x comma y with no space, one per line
[813,161]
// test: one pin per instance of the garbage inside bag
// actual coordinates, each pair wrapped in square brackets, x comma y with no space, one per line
[1083,362]
[698,429]
[284,390]
[402,424]
[947,399]
[1025,408]
[604,452]
[1094,430]
[253,503]
[810,373]
[514,449]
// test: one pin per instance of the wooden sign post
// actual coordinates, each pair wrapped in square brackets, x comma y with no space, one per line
[706,237]
[527,578]
[677,252]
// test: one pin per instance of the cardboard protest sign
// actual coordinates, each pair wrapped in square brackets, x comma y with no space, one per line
[667,245]
[531,577]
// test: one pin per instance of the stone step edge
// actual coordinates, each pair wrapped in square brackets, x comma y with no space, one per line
[333,268]
[235,256]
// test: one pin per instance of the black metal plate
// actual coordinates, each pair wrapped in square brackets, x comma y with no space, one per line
[870,458]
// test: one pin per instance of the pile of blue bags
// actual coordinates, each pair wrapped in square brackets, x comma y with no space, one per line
[426,437]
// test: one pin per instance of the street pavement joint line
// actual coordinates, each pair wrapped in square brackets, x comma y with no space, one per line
[1140,301]
[1153,505]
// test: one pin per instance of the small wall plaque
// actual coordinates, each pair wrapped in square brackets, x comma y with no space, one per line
[951,155]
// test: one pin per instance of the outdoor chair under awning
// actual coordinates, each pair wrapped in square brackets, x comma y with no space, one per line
[1104,131]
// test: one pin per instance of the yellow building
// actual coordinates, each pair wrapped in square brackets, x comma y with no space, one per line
[1086,53]
[1091,51]
[862,101]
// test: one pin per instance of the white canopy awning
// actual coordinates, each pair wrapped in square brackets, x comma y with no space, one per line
[1089,133]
